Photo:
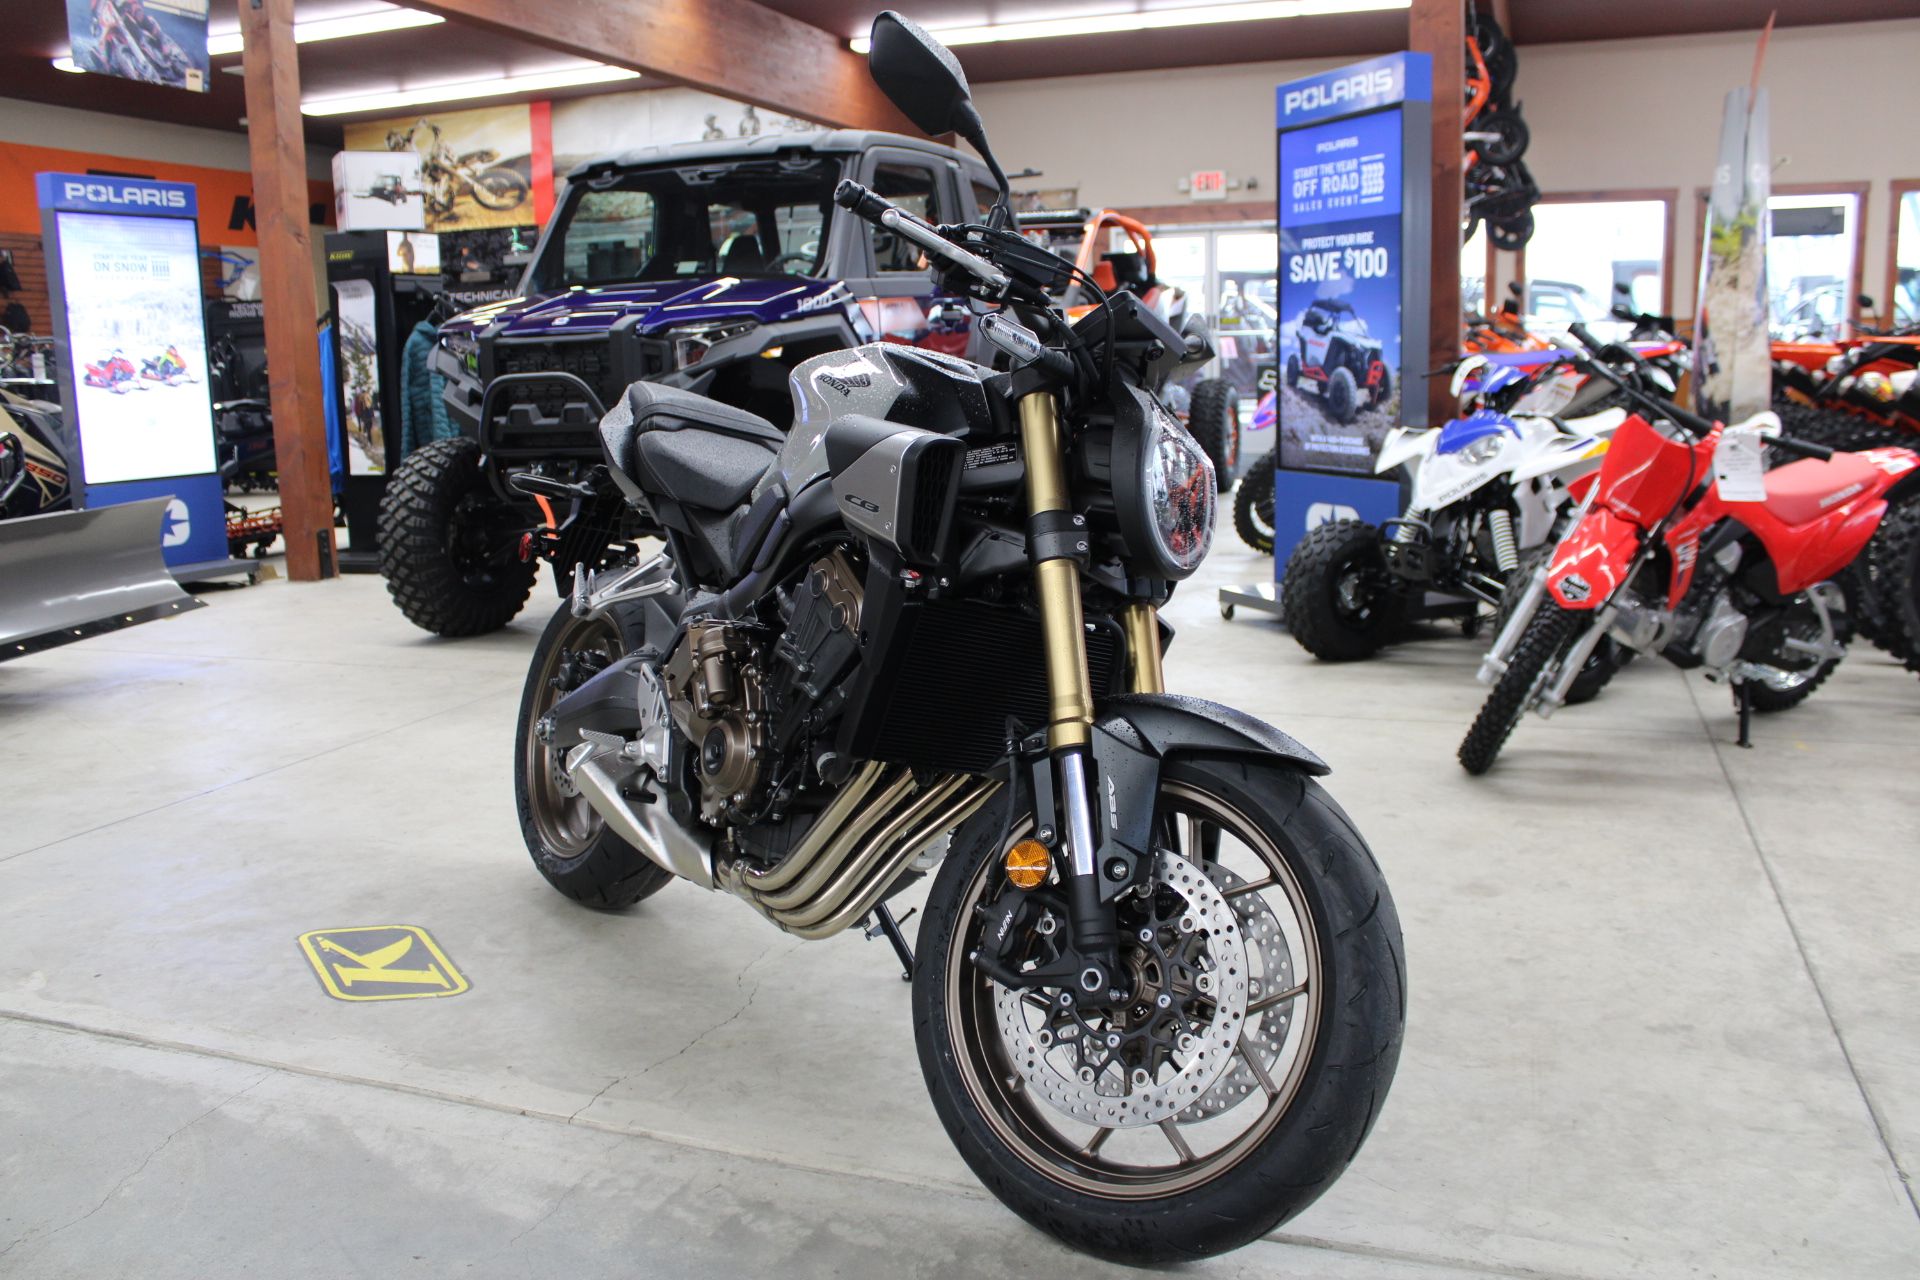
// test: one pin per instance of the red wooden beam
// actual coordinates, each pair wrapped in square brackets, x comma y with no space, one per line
[279,154]
[736,48]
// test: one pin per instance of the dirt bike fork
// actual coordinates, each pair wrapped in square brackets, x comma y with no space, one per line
[1055,539]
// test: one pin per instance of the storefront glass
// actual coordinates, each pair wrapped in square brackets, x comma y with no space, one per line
[1810,266]
[1582,251]
[1904,305]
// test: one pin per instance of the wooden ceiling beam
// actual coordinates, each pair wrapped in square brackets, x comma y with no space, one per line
[736,48]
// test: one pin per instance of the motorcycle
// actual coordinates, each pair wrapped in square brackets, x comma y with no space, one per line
[920,638]
[447,176]
[1687,548]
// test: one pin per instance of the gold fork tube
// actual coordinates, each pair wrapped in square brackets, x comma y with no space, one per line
[1141,622]
[1070,691]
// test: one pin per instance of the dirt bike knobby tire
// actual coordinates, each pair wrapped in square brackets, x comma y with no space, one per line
[1548,633]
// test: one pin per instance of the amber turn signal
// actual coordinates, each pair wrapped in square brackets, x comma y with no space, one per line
[1027,864]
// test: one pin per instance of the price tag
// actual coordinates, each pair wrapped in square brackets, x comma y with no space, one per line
[1737,466]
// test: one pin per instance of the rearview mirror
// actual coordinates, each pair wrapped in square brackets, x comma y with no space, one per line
[921,76]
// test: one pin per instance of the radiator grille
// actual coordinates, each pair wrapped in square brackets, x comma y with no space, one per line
[931,503]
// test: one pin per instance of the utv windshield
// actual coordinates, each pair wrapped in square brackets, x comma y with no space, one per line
[760,217]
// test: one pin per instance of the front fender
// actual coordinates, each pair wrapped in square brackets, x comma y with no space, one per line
[1591,562]
[1135,735]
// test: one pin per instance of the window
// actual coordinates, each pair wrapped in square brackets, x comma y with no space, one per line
[984,195]
[1904,305]
[1473,271]
[1586,256]
[1810,263]
[912,188]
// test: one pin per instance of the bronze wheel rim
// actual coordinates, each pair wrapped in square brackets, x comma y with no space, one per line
[566,823]
[1120,1162]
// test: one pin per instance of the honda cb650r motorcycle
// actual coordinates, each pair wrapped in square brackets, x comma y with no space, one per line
[1676,552]
[1159,993]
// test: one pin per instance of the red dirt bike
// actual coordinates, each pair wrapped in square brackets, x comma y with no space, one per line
[1677,551]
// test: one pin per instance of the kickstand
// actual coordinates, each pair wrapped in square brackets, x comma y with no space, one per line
[884,923]
[1743,703]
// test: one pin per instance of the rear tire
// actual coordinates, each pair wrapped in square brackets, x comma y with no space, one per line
[1213,418]
[1894,558]
[1343,395]
[1293,371]
[1253,506]
[440,527]
[1337,598]
[569,843]
[1549,632]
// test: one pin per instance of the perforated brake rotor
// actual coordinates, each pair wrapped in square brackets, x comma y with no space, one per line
[1126,1095]
[1265,1036]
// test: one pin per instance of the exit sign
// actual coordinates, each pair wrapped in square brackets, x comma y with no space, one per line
[1208,184]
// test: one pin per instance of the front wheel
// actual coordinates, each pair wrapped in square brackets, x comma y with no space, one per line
[1251,1058]
[1338,598]
[448,546]
[1253,506]
[1213,419]
[1546,639]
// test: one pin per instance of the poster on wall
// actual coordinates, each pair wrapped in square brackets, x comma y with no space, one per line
[153,41]
[136,345]
[1339,292]
[412,253]
[378,191]
[1733,370]
[360,379]
[475,166]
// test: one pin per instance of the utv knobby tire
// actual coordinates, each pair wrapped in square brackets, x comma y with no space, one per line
[438,484]
[1293,371]
[1213,418]
[600,870]
[1383,390]
[1253,506]
[1361,1020]
[1311,601]
[1894,556]
[1343,395]
[1548,633]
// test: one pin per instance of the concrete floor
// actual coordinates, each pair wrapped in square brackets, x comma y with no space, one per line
[1663,1019]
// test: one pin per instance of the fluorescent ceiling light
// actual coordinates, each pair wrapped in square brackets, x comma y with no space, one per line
[435,94]
[1149,20]
[356,24]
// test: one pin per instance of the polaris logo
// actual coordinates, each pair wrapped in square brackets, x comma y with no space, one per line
[846,385]
[1318,97]
[107,193]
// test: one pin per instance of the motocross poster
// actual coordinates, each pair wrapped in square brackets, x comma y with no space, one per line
[360,378]
[1733,370]
[137,345]
[153,41]
[1339,293]
[476,166]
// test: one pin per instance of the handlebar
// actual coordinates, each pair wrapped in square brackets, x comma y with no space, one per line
[1805,448]
[882,212]
[1692,423]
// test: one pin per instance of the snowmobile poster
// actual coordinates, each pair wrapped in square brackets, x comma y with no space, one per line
[154,41]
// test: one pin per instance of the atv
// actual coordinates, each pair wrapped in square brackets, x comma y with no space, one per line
[713,267]
[1333,351]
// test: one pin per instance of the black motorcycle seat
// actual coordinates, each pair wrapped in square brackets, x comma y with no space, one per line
[693,450]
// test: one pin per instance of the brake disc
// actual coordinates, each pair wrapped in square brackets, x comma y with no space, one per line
[1111,1097]
[1266,1036]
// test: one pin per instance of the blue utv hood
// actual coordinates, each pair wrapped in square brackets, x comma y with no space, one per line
[653,308]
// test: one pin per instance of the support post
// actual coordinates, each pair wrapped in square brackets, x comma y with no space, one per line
[278,147]
[1439,27]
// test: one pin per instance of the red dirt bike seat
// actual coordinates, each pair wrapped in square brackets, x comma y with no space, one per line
[1802,492]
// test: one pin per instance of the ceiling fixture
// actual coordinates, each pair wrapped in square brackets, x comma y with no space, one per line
[342,28]
[1149,20]
[437,94]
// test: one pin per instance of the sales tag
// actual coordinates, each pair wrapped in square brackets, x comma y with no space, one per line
[1737,466]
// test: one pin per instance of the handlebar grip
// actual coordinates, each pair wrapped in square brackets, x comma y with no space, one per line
[860,201]
[1585,336]
[1805,448]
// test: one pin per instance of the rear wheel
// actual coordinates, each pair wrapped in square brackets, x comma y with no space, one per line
[1796,673]
[1293,370]
[1266,1008]
[449,546]
[1548,635]
[1253,506]
[1894,560]
[1838,429]
[1214,419]
[1337,598]
[1343,395]
[569,842]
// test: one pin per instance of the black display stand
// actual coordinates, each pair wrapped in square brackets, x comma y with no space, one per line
[400,302]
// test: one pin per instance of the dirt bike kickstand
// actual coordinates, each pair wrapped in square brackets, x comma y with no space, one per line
[1743,703]
[884,923]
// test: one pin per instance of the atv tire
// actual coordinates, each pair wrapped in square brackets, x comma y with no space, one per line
[1253,506]
[1343,395]
[1383,390]
[1293,372]
[439,519]
[1213,418]
[1337,598]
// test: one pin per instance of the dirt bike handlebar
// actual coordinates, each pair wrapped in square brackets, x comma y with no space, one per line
[1691,423]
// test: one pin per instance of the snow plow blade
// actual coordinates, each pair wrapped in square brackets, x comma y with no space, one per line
[74,574]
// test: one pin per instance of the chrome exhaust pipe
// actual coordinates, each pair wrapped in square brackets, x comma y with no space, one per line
[607,779]
[743,878]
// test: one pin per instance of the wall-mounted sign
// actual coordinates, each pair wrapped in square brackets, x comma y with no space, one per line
[1208,184]
[154,41]
[378,191]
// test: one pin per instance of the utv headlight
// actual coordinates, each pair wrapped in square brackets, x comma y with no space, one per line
[692,342]
[1165,493]
[464,347]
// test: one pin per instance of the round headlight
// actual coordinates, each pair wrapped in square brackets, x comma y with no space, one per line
[1178,486]
[1482,450]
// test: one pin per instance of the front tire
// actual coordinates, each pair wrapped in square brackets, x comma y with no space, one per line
[500,190]
[1253,506]
[446,543]
[568,841]
[1293,371]
[1337,598]
[1213,417]
[1548,635]
[1343,395]
[1323,931]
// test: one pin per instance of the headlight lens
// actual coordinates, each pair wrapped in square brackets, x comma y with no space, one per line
[1482,450]
[692,342]
[1180,490]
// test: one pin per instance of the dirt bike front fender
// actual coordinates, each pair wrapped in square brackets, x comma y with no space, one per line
[1593,560]
[1135,735]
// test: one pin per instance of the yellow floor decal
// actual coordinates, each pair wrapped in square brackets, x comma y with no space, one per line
[381,962]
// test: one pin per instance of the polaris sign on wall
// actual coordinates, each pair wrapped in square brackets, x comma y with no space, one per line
[1353,226]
